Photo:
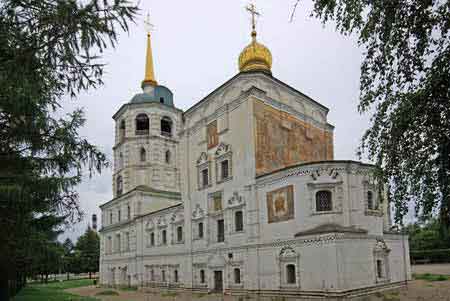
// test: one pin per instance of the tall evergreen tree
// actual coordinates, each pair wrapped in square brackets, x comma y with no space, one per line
[88,247]
[48,49]
[405,81]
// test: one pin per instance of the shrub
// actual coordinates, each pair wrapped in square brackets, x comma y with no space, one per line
[432,256]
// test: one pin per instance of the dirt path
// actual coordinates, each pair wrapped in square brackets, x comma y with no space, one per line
[438,268]
[419,290]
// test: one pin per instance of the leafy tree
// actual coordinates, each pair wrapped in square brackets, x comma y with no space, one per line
[426,236]
[405,82]
[48,49]
[88,250]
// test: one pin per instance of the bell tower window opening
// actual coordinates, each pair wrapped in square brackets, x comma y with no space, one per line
[122,130]
[142,124]
[119,185]
[324,201]
[161,99]
[166,127]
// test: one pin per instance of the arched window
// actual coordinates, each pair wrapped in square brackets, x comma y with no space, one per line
[166,126]
[237,276]
[167,157]
[128,212]
[370,203]
[323,201]
[238,221]
[142,124]
[179,234]
[119,185]
[152,275]
[290,274]
[200,230]
[175,276]
[142,155]
[122,130]
[163,275]
[202,276]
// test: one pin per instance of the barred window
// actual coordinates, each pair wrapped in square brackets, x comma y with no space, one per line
[323,201]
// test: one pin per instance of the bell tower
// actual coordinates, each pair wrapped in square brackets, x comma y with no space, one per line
[147,136]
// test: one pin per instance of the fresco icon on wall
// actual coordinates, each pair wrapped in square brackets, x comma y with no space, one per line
[280,204]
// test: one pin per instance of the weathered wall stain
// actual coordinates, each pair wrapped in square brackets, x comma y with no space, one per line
[283,140]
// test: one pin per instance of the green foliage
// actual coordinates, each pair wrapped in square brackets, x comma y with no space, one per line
[426,236]
[88,251]
[431,277]
[53,292]
[48,49]
[405,82]
[430,256]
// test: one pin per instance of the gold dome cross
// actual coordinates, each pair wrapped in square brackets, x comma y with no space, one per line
[251,8]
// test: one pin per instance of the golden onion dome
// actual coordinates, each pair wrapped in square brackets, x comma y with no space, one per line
[255,57]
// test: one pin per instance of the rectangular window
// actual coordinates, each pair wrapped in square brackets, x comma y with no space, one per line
[152,239]
[237,276]
[164,237]
[224,169]
[179,234]
[200,230]
[127,241]
[239,221]
[205,177]
[109,245]
[118,215]
[379,269]
[110,218]
[213,136]
[220,230]
[118,247]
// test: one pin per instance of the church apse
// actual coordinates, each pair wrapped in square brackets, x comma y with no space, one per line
[282,140]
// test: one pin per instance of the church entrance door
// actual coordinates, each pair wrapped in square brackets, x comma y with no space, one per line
[218,281]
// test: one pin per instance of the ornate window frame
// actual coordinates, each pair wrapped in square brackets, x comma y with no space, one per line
[198,216]
[285,257]
[203,163]
[369,185]
[223,153]
[177,220]
[381,253]
[336,190]
[234,204]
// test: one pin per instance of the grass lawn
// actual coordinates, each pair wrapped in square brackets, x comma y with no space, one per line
[431,277]
[53,291]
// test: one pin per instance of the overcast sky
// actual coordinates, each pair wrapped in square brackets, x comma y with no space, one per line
[196,45]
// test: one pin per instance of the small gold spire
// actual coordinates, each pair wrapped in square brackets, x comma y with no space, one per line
[149,72]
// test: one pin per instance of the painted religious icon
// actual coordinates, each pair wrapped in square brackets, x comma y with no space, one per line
[280,204]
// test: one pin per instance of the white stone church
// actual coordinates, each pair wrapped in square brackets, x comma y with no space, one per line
[240,194]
